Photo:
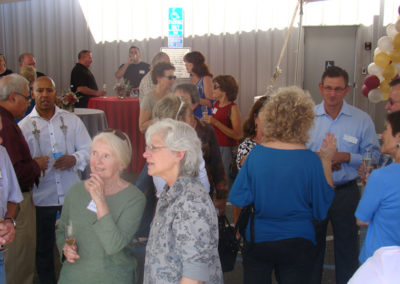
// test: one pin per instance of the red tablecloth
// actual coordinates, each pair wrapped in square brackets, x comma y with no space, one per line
[123,114]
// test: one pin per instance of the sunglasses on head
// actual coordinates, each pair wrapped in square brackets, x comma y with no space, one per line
[117,133]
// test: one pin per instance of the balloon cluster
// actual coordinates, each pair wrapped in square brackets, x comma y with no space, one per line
[385,67]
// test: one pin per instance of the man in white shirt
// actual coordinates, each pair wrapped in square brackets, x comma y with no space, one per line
[63,137]
[10,195]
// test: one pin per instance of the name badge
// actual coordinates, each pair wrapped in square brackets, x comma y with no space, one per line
[214,111]
[350,139]
[92,206]
[141,72]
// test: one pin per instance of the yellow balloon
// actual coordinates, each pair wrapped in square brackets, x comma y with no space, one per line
[385,96]
[395,55]
[396,41]
[384,86]
[389,72]
[382,59]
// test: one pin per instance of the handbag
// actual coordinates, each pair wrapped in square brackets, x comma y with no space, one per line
[229,244]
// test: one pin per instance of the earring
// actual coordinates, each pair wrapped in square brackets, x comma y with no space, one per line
[398,145]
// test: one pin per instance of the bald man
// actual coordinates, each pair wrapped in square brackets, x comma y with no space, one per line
[62,136]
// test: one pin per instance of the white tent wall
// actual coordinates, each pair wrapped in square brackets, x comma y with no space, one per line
[56,30]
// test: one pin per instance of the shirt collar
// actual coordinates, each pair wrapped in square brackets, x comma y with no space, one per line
[176,190]
[345,110]
[34,112]
[5,113]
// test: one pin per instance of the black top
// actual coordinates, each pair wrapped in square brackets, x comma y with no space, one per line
[82,77]
[135,72]
[39,74]
[5,73]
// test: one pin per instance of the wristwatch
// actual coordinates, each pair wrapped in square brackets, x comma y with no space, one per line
[12,221]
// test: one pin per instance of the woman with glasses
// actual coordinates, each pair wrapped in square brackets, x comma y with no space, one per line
[100,217]
[183,241]
[180,109]
[202,78]
[163,76]
[226,118]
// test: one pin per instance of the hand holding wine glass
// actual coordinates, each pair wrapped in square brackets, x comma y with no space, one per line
[70,250]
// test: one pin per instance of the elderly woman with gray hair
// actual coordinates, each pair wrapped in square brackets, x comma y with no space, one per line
[100,217]
[183,242]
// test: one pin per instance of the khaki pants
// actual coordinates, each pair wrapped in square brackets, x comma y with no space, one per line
[20,255]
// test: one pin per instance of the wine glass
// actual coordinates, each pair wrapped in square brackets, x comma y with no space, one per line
[68,234]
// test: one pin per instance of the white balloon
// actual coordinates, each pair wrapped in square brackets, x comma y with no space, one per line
[385,44]
[377,50]
[397,26]
[391,30]
[375,96]
[374,69]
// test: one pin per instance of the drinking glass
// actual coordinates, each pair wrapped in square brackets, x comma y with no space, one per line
[204,111]
[68,234]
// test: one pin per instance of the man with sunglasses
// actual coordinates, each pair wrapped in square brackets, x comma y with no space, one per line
[20,256]
[393,103]
[355,134]
[63,138]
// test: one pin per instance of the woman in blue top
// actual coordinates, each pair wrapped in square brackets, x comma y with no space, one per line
[379,207]
[202,78]
[289,185]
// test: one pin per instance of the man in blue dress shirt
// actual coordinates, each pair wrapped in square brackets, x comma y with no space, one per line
[355,134]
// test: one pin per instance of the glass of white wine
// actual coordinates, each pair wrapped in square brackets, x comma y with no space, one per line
[68,233]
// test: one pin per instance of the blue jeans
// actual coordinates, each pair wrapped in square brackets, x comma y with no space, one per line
[2,271]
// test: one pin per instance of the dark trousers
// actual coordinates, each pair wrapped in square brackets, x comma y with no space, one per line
[345,234]
[291,259]
[45,231]
[145,183]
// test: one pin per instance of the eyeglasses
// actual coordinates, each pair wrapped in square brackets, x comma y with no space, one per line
[27,99]
[391,102]
[152,148]
[336,90]
[216,86]
[170,77]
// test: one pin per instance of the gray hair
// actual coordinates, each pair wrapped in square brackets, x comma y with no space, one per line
[171,107]
[159,57]
[122,147]
[179,136]
[12,83]
[190,89]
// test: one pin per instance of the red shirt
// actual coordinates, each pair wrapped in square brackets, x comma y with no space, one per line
[26,169]
[222,115]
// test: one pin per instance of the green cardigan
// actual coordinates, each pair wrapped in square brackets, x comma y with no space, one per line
[105,245]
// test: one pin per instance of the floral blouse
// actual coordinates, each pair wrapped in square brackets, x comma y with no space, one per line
[244,149]
[183,239]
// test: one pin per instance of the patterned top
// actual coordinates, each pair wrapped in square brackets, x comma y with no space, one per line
[244,149]
[183,239]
